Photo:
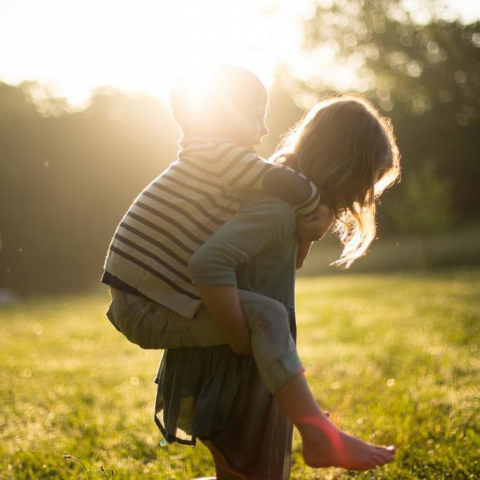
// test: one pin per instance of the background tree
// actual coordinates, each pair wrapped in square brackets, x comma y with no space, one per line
[67,176]
[421,68]
[425,207]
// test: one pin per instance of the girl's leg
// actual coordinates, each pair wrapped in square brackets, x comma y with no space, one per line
[154,326]
[275,354]
[324,445]
[223,471]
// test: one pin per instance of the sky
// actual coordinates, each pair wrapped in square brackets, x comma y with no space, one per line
[74,46]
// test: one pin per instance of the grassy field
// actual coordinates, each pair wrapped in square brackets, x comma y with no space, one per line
[395,358]
[458,246]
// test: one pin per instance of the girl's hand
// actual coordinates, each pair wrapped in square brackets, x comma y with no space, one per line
[315,228]
[312,230]
[302,252]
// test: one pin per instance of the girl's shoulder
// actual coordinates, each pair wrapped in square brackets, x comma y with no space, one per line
[270,206]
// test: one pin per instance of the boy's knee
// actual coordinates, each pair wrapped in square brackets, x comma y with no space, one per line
[264,312]
[275,310]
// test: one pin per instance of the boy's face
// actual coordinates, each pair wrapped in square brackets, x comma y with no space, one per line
[251,128]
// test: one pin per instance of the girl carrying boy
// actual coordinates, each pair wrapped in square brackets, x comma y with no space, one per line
[158,245]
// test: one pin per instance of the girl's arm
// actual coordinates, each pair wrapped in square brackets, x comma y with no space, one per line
[239,168]
[255,228]
[223,305]
[312,230]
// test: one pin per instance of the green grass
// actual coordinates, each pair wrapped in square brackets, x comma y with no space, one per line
[395,359]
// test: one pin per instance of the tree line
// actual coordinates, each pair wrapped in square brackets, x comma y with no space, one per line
[68,176]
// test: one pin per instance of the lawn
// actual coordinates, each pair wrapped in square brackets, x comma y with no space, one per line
[394,358]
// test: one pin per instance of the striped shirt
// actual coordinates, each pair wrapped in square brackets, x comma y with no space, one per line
[180,209]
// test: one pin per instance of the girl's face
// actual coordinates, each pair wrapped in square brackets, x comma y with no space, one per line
[251,128]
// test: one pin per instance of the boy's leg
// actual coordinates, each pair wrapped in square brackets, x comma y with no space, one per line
[128,312]
[272,344]
[153,326]
[273,347]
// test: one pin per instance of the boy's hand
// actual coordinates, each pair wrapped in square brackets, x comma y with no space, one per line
[312,230]
[315,228]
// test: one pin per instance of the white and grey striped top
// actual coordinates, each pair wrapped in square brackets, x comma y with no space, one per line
[179,210]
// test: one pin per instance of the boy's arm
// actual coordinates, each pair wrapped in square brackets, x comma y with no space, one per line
[213,266]
[241,168]
[294,188]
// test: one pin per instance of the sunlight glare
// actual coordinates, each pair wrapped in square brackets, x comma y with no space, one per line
[195,78]
[140,47]
[75,47]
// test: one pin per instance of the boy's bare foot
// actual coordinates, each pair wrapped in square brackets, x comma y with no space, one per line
[327,446]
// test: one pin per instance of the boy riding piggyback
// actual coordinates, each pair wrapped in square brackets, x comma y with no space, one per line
[147,267]
[167,293]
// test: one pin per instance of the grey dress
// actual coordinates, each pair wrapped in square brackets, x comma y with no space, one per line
[210,393]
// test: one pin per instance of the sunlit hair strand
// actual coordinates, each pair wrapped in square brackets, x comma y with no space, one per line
[349,151]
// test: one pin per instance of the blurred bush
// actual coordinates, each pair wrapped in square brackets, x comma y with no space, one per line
[425,202]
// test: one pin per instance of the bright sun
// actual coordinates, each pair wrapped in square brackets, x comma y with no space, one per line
[138,46]
[141,46]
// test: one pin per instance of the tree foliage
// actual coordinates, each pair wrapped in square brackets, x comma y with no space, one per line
[422,70]
[425,207]
[67,176]
[67,179]
[400,61]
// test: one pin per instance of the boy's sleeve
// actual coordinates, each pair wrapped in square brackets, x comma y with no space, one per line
[240,168]
[293,188]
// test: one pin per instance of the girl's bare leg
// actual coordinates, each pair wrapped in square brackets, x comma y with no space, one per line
[324,445]
[224,472]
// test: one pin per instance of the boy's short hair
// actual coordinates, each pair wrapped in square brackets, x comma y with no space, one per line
[218,104]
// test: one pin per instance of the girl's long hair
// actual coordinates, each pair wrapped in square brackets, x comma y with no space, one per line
[349,151]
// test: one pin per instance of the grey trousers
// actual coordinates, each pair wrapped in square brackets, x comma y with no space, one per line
[154,326]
